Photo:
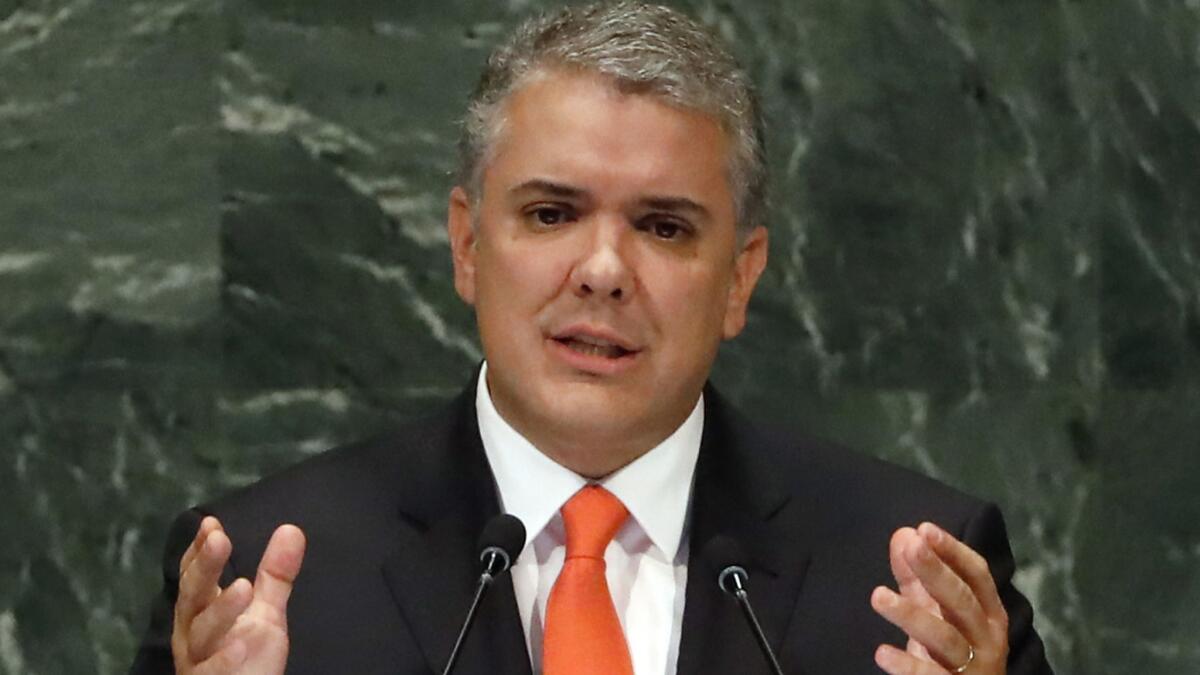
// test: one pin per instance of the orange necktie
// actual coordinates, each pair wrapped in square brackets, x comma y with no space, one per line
[583,634]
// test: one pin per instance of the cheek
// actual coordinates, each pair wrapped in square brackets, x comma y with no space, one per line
[519,279]
[693,303]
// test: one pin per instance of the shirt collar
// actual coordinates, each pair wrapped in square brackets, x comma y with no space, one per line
[655,487]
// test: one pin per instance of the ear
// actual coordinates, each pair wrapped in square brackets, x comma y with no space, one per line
[461,228]
[748,267]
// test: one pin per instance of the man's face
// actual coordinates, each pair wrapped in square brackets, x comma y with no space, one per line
[603,265]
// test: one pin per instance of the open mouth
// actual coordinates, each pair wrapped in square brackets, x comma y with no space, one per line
[591,346]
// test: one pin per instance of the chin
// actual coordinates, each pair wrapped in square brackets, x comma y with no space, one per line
[584,405]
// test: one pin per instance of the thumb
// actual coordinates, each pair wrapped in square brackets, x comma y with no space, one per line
[279,567]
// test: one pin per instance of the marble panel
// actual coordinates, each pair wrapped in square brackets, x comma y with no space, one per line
[222,250]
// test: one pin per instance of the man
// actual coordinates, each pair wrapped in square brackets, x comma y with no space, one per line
[606,229]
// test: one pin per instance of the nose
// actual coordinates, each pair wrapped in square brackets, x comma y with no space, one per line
[603,271]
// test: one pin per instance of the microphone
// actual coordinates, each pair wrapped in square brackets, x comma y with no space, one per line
[500,543]
[728,555]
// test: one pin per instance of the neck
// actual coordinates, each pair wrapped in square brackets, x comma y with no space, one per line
[592,453]
[590,462]
[595,451]
[590,446]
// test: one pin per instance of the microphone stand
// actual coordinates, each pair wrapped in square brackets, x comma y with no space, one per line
[736,577]
[495,561]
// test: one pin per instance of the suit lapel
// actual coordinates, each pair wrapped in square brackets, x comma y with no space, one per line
[432,573]
[739,493]
[450,494]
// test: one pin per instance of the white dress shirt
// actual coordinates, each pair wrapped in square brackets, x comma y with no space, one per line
[646,561]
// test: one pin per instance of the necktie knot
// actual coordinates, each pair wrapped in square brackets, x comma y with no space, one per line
[592,518]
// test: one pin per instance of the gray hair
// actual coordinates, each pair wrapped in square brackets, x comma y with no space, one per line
[643,49]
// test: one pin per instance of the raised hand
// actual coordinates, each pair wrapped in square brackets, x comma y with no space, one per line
[947,604]
[243,627]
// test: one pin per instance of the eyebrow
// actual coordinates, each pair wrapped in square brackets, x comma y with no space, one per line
[671,204]
[677,205]
[549,187]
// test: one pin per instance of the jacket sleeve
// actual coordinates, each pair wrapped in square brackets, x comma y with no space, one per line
[987,535]
[154,653]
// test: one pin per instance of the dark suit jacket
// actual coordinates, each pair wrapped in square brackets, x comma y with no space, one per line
[391,560]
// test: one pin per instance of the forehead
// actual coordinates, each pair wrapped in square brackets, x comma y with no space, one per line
[578,125]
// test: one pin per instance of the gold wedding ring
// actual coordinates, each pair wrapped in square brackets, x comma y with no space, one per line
[970,658]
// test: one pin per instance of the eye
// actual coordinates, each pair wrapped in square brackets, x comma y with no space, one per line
[666,230]
[663,228]
[548,215]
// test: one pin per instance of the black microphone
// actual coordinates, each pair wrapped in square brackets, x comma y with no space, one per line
[728,555]
[499,545]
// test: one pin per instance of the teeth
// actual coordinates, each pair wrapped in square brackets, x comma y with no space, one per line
[606,350]
[592,340]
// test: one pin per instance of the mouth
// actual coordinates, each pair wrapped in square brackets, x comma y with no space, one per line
[594,350]
[593,346]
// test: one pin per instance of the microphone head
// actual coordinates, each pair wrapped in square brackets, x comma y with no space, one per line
[728,558]
[503,535]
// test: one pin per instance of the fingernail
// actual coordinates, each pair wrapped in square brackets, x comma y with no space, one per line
[240,586]
[923,553]
[210,543]
[885,597]
[885,657]
[890,599]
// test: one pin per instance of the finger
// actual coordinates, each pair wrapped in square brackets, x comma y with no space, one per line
[957,599]
[198,584]
[226,661]
[213,624]
[941,641]
[906,579]
[918,650]
[207,525]
[279,567]
[900,541]
[969,565]
[896,662]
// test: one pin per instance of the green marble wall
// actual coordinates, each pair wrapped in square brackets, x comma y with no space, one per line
[221,251]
